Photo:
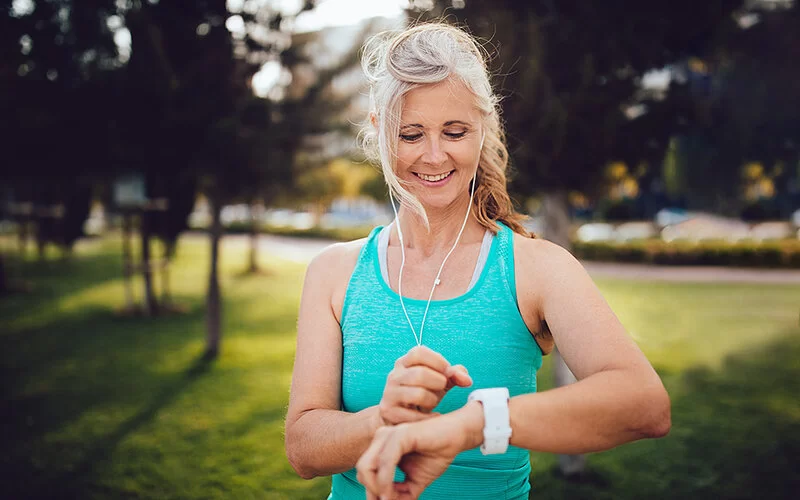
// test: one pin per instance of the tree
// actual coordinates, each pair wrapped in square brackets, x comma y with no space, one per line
[743,106]
[183,64]
[56,84]
[568,71]
[196,65]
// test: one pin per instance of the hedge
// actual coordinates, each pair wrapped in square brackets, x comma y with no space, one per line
[775,254]
[340,234]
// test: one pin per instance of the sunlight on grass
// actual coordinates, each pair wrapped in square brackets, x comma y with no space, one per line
[684,324]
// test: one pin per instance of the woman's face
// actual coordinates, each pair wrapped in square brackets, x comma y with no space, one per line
[440,143]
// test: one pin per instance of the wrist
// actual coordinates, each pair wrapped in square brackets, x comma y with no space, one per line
[472,423]
[376,422]
[496,419]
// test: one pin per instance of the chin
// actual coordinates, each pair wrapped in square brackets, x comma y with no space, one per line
[437,202]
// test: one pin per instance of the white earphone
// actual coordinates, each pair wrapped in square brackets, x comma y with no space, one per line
[436,281]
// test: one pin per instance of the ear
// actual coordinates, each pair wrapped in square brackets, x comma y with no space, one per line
[373,119]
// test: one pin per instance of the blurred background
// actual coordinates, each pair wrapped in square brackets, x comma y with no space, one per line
[169,168]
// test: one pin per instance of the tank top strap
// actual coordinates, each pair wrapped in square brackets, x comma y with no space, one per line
[505,253]
[362,272]
[383,248]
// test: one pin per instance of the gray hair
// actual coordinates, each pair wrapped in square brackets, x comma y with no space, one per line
[396,63]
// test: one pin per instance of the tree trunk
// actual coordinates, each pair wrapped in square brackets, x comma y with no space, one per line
[319,210]
[151,304]
[256,210]
[3,277]
[127,262]
[556,218]
[22,234]
[213,299]
[40,241]
[166,295]
[557,230]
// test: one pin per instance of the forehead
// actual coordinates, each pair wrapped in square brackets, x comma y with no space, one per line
[435,104]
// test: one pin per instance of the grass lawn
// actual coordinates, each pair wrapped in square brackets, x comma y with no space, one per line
[96,405]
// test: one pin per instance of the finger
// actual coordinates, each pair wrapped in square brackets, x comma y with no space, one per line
[367,465]
[365,472]
[390,456]
[406,396]
[422,355]
[399,415]
[421,376]
[411,397]
[403,489]
[458,376]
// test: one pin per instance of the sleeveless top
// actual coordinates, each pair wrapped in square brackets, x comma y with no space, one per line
[383,246]
[481,329]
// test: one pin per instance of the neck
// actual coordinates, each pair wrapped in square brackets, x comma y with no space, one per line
[445,224]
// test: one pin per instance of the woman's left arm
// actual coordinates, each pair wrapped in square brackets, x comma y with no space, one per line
[618,396]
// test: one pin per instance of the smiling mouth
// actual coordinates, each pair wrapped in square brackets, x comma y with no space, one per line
[434,178]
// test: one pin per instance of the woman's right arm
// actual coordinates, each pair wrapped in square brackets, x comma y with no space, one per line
[320,438]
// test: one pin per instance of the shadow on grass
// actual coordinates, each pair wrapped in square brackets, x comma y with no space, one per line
[86,363]
[52,278]
[735,435]
[71,482]
[94,335]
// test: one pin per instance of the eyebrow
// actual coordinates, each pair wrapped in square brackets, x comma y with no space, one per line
[446,124]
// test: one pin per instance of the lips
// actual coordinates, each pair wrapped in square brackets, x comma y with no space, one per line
[434,178]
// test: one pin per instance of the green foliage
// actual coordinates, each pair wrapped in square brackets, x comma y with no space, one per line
[568,70]
[104,406]
[338,234]
[773,254]
[741,107]
[316,232]
[57,101]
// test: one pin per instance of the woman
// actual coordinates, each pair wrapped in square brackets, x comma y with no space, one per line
[397,331]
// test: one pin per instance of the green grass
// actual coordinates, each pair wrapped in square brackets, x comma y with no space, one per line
[98,405]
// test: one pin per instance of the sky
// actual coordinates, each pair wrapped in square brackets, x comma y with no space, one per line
[327,13]
[345,12]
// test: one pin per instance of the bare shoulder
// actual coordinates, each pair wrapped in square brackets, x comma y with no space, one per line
[536,263]
[544,270]
[548,262]
[334,257]
[330,270]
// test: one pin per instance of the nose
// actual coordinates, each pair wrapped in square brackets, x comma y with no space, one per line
[433,154]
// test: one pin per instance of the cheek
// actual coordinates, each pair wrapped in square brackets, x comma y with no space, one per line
[405,157]
[466,159]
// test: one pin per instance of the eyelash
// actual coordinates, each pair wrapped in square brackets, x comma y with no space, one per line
[416,137]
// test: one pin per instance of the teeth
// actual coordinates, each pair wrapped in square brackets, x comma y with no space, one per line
[434,178]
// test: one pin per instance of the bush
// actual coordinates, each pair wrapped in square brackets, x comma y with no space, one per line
[777,254]
[339,234]
[773,254]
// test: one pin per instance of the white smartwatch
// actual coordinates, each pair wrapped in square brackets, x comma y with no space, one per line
[497,425]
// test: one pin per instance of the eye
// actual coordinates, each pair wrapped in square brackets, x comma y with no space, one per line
[455,135]
[410,137]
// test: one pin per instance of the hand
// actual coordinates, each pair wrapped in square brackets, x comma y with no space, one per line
[422,450]
[416,385]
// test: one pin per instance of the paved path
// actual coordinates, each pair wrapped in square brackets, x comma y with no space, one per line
[304,249]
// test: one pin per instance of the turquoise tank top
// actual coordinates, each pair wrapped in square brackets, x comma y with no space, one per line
[481,329]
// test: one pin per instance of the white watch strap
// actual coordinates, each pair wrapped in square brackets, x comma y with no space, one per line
[497,429]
